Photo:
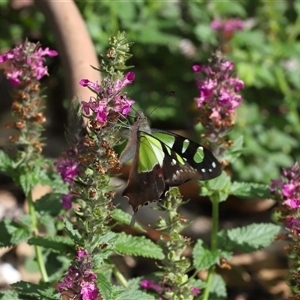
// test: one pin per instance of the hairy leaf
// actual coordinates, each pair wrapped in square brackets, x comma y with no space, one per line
[123,217]
[218,187]
[12,233]
[218,288]
[138,246]
[252,237]
[105,286]
[32,291]
[245,189]
[9,294]
[204,258]
[127,294]
[58,244]
[73,233]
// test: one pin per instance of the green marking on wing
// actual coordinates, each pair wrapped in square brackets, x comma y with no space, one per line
[180,159]
[169,141]
[198,157]
[166,138]
[186,143]
[150,153]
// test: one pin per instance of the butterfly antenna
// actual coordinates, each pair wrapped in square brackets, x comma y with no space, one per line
[132,220]
[169,94]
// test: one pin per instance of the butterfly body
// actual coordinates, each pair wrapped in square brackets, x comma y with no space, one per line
[162,159]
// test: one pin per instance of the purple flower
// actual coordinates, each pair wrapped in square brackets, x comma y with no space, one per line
[218,98]
[109,101]
[92,85]
[26,62]
[287,193]
[68,169]
[67,200]
[160,289]
[229,25]
[151,285]
[195,291]
[288,186]
[80,282]
[293,224]
[82,253]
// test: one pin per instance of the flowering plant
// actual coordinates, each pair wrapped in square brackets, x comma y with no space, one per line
[86,269]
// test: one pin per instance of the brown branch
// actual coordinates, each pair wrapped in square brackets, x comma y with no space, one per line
[75,47]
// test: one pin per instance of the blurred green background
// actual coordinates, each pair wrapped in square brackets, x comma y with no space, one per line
[169,37]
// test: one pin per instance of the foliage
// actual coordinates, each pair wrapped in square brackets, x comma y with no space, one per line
[265,138]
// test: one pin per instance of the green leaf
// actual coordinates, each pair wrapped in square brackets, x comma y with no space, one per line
[73,233]
[32,291]
[6,163]
[12,233]
[127,294]
[58,244]
[138,246]
[252,237]
[218,288]
[204,258]
[123,217]
[235,150]
[245,189]
[9,294]
[217,188]
[105,286]
[49,204]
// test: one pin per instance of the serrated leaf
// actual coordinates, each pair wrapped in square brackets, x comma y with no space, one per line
[32,291]
[58,244]
[235,150]
[9,294]
[6,163]
[252,237]
[12,233]
[217,188]
[245,189]
[126,294]
[137,246]
[50,204]
[50,225]
[105,286]
[204,258]
[123,217]
[108,240]
[218,288]
[73,233]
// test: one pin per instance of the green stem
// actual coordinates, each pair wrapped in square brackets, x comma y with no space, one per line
[120,276]
[214,244]
[37,249]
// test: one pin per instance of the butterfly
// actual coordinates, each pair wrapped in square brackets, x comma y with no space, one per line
[162,159]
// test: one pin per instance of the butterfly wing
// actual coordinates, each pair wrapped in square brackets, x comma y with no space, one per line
[165,159]
[146,181]
[185,160]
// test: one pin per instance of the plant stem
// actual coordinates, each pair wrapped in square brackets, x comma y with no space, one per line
[120,277]
[37,249]
[214,244]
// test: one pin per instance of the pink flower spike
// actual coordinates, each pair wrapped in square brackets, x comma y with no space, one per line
[92,85]
[86,107]
[82,253]
[196,68]
[216,24]
[292,203]
[84,82]
[49,52]
[129,77]
[67,201]
[288,190]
